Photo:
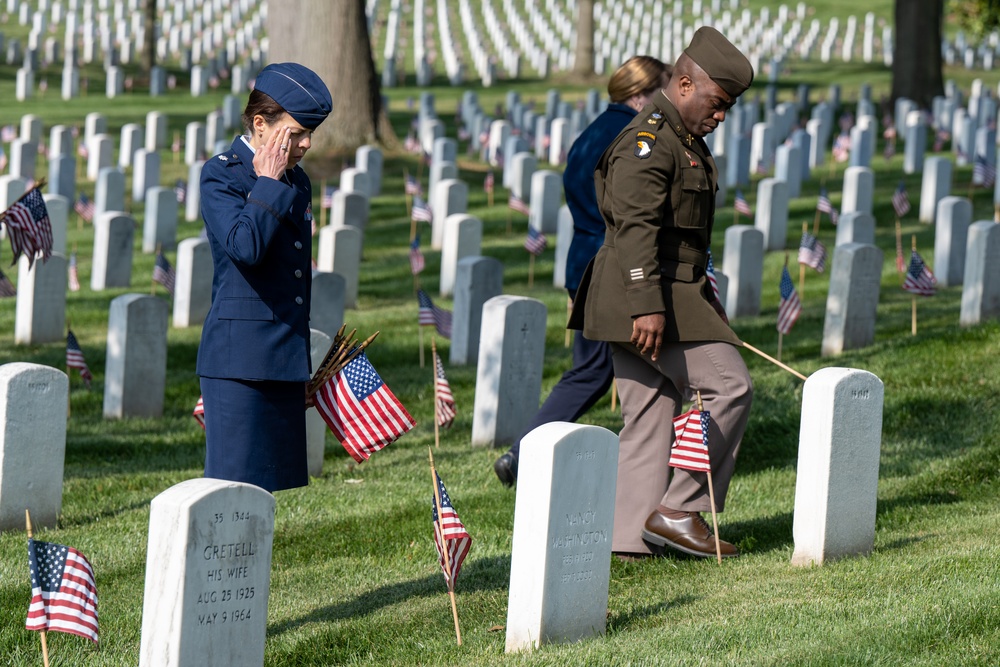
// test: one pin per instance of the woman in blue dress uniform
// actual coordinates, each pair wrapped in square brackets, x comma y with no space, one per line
[254,355]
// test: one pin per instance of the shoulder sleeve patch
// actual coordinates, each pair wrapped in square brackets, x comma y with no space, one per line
[644,142]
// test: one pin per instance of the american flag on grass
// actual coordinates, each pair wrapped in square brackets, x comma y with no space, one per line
[421,210]
[842,147]
[812,252]
[449,528]
[181,190]
[416,257]
[74,358]
[741,205]
[824,205]
[983,172]
[489,183]
[163,273]
[429,314]
[535,242]
[919,279]
[900,200]
[327,200]
[360,410]
[444,406]
[710,273]
[28,227]
[63,591]
[7,288]
[413,186]
[82,150]
[74,274]
[84,207]
[790,306]
[517,204]
[690,448]
[8,133]
[199,412]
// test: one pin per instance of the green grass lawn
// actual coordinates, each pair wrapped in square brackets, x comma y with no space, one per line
[354,576]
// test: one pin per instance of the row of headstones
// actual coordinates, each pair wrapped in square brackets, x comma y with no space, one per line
[210,541]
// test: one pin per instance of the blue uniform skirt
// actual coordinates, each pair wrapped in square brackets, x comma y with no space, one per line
[255,432]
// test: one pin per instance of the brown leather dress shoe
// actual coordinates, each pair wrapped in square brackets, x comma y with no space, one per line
[690,535]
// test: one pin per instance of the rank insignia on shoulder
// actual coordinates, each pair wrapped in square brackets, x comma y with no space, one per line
[644,142]
[223,158]
[656,114]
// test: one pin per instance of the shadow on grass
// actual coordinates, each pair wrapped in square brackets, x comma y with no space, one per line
[485,574]
[623,621]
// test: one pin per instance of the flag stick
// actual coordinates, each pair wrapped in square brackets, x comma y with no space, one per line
[614,394]
[531,269]
[802,267]
[774,361]
[780,338]
[996,213]
[45,646]
[816,223]
[444,545]
[420,335]
[569,313]
[437,429]
[899,239]
[711,499]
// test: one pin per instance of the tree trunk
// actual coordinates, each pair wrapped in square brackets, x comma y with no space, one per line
[334,43]
[583,64]
[149,37]
[916,58]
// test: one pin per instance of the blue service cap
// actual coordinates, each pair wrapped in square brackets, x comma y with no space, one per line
[298,90]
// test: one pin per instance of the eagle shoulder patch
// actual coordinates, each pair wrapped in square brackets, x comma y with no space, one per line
[644,142]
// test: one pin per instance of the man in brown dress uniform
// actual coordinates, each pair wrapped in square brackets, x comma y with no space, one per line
[647,294]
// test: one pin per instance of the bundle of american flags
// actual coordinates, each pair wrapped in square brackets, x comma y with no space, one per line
[28,226]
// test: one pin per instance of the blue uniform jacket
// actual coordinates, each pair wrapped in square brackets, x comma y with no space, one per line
[260,232]
[578,184]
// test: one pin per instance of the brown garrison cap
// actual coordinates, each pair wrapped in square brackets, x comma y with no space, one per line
[722,61]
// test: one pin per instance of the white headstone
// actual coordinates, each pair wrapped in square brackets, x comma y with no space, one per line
[208,574]
[136,362]
[951,228]
[41,301]
[112,262]
[743,262]
[340,252]
[58,208]
[935,186]
[109,195]
[772,212]
[561,549]
[981,283]
[852,301]
[33,400]
[859,188]
[449,197]
[509,373]
[856,227]
[145,174]
[546,198]
[159,226]
[326,309]
[836,482]
[369,159]
[564,237]
[193,285]
[463,237]
[477,280]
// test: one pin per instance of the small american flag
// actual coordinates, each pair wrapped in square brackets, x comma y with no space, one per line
[535,242]
[74,274]
[63,592]
[812,252]
[360,410]
[824,205]
[690,448]
[444,406]
[790,307]
[413,187]
[7,288]
[421,211]
[84,207]
[517,204]
[489,182]
[429,314]
[416,257]
[8,134]
[74,358]
[919,279]
[710,273]
[983,172]
[163,273]
[181,189]
[741,205]
[900,200]
[199,412]
[328,192]
[28,227]
[449,527]
[940,137]
[842,147]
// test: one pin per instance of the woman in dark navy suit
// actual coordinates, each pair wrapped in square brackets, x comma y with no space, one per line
[254,355]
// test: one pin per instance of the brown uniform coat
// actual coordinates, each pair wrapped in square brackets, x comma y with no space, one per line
[656,187]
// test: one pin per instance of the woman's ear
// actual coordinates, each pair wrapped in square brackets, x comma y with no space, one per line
[259,125]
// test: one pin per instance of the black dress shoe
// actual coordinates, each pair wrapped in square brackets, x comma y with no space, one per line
[690,535]
[506,469]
